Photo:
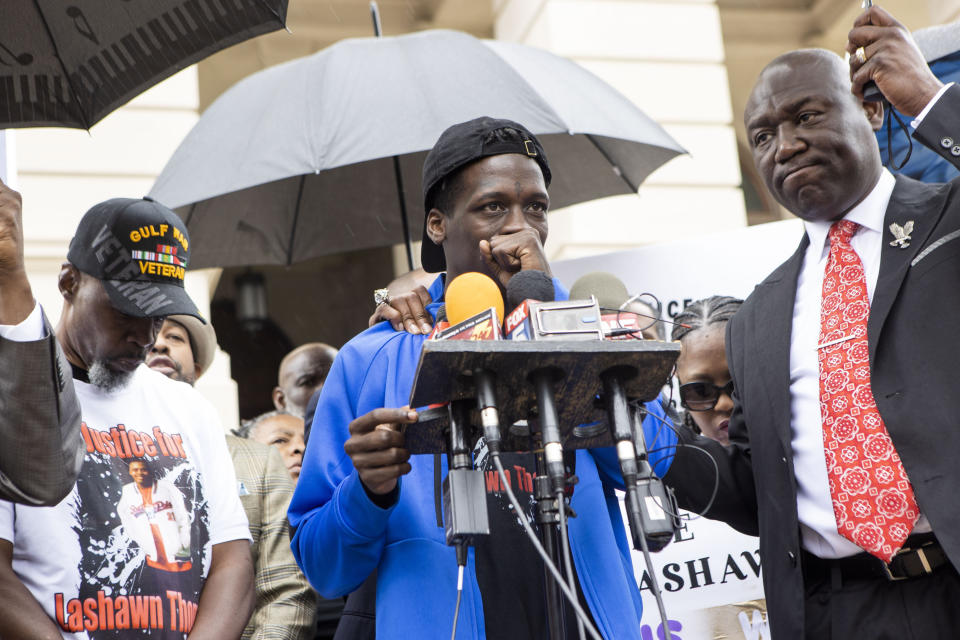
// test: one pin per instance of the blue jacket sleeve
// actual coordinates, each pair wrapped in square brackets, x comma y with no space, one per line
[339,533]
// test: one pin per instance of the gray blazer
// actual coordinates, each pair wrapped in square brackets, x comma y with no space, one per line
[41,448]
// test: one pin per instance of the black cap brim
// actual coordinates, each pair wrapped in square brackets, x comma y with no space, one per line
[150,299]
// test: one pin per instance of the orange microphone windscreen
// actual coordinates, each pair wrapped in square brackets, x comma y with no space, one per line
[470,294]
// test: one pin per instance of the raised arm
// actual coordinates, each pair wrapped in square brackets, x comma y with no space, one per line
[891,58]
[39,414]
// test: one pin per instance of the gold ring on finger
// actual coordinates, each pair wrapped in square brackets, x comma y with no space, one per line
[861,55]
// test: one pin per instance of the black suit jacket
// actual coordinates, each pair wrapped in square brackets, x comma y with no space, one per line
[915,360]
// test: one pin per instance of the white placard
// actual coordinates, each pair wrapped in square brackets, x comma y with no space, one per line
[678,272]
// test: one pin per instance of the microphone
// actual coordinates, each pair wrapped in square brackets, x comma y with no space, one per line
[475,307]
[871,92]
[531,292]
[470,294]
[472,310]
[648,499]
[608,289]
[611,294]
[531,284]
[536,316]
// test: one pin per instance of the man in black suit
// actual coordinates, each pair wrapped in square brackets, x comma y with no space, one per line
[812,140]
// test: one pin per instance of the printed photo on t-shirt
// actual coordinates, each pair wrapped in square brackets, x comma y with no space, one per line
[141,519]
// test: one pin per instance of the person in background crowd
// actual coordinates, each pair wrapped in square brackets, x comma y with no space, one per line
[485,207]
[301,375]
[285,433]
[843,431]
[281,430]
[706,388]
[285,603]
[184,348]
[77,568]
[40,445]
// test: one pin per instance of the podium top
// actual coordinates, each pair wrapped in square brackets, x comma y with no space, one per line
[446,368]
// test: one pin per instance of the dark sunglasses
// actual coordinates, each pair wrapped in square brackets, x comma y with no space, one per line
[702,396]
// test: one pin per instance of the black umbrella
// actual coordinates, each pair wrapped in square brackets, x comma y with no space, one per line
[70,63]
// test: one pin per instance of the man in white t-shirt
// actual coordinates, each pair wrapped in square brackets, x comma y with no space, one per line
[103,563]
[285,603]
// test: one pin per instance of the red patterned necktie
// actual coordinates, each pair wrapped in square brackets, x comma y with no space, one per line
[872,497]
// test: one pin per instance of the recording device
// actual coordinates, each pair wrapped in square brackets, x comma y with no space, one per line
[536,316]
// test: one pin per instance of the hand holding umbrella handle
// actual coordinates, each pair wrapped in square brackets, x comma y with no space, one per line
[882,52]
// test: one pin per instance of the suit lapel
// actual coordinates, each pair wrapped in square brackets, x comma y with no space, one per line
[911,200]
[774,316]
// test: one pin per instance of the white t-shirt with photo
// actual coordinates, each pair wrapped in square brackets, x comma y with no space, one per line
[125,554]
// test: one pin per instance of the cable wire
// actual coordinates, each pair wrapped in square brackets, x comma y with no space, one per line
[456,611]
[674,447]
[565,544]
[655,587]
[548,562]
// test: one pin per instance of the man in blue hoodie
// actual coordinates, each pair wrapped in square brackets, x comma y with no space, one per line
[363,503]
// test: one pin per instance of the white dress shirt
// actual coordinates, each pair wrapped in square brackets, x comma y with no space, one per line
[28,330]
[818,525]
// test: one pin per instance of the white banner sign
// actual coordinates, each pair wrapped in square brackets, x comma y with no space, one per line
[677,273]
[709,577]
[710,574]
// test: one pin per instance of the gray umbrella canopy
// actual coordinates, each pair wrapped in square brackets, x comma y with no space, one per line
[295,162]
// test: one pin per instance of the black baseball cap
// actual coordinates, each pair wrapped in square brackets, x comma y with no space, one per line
[139,250]
[457,147]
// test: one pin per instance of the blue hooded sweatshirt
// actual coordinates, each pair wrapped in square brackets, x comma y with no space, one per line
[341,536]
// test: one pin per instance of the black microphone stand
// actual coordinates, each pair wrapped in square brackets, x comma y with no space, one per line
[647,501]
[548,522]
[548,492]
[526,372]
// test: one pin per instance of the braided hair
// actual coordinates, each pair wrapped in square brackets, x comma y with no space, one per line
[703,313]
[715,310]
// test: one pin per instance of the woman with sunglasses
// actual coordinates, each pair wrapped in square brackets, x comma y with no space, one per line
[705,385]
